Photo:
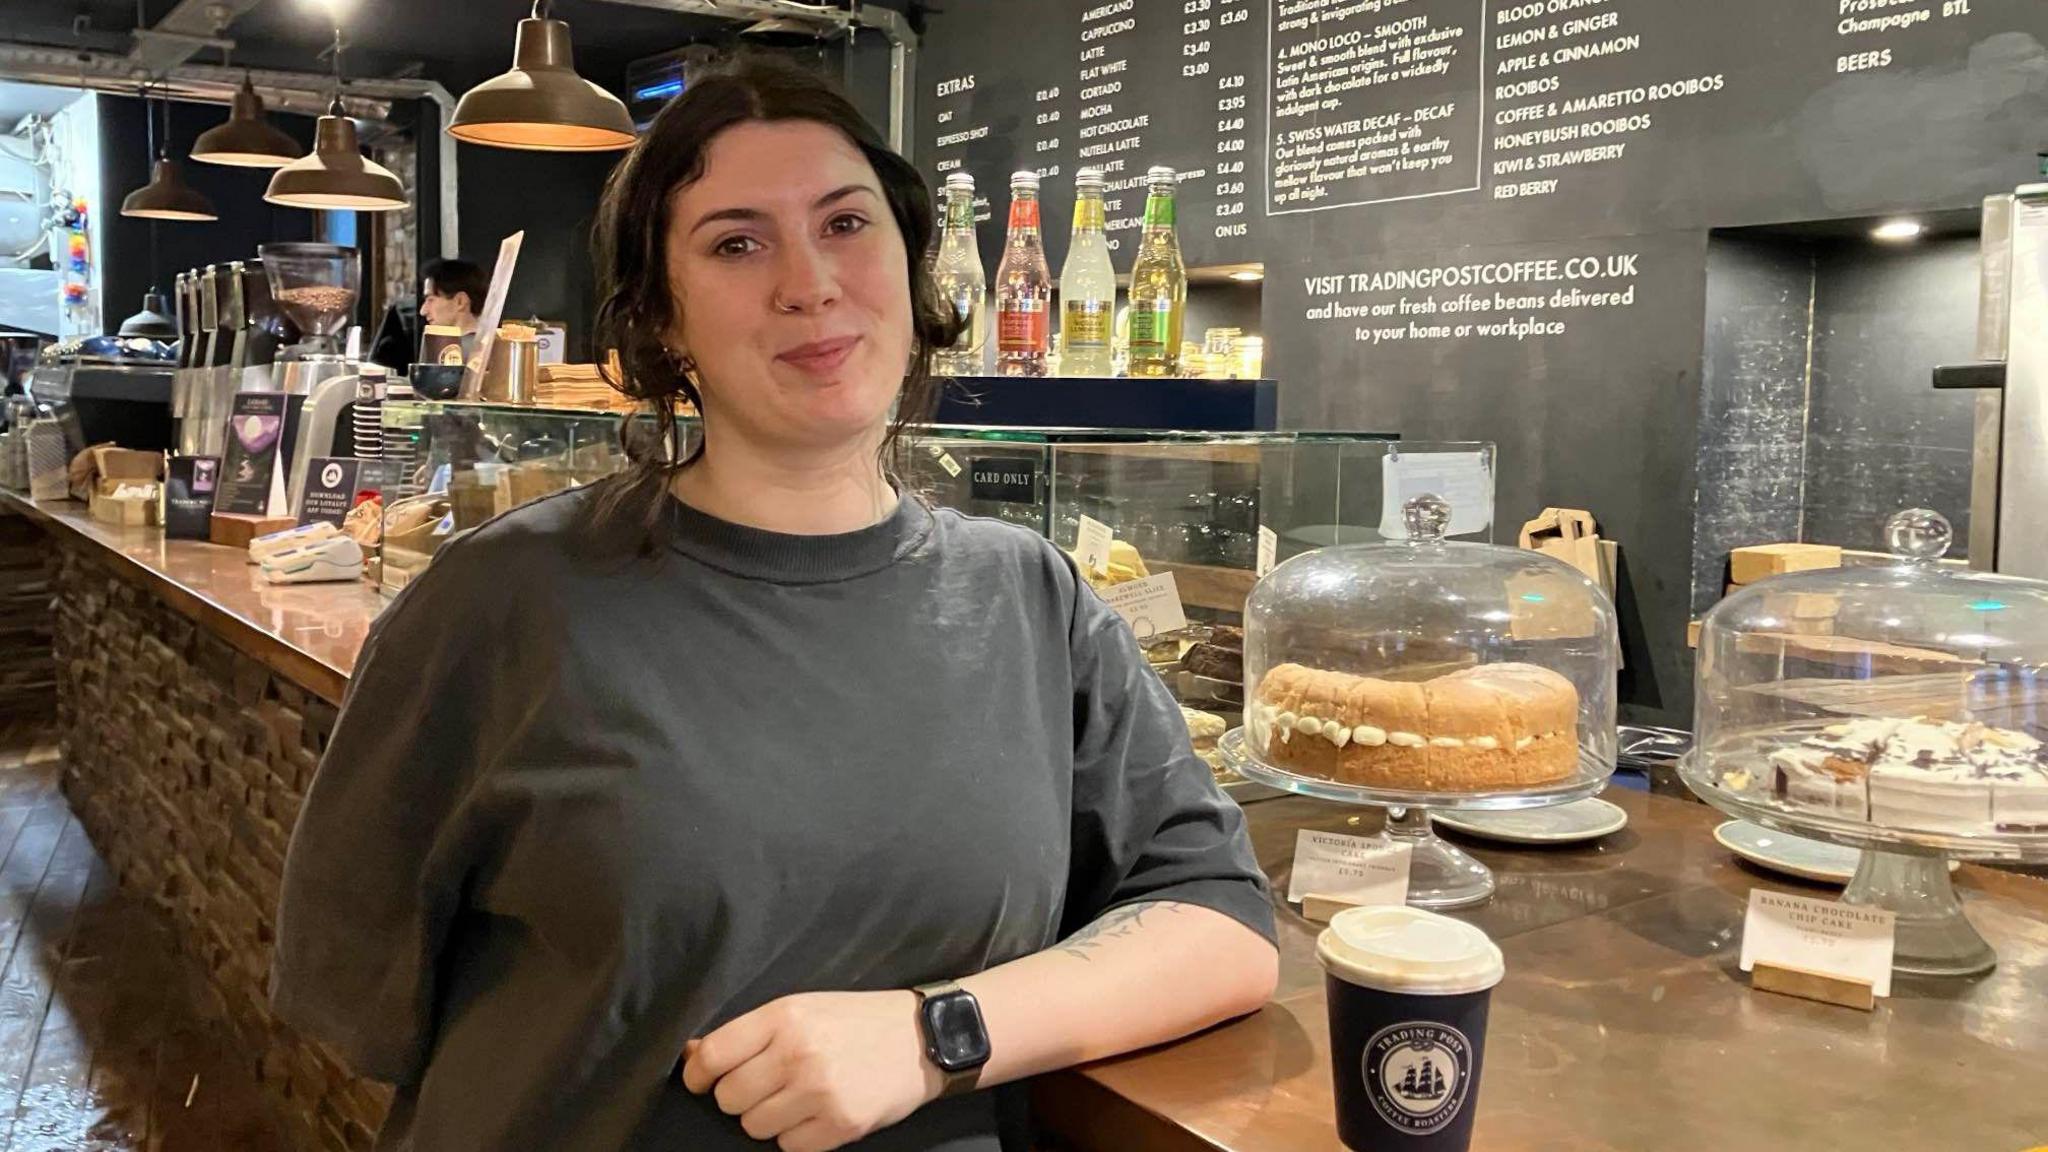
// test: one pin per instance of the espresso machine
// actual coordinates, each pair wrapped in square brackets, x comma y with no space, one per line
[235,333]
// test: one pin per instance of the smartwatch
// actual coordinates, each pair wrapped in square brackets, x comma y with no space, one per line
[955,1037]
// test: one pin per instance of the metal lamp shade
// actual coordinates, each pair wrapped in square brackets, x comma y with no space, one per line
[542,105]
[151,321]
[168,197]
[247,140]
[336,175]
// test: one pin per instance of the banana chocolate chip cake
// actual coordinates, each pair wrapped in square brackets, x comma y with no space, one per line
[1493,727]
[1936,775]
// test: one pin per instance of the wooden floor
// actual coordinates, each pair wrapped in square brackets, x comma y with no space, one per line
[104,1045]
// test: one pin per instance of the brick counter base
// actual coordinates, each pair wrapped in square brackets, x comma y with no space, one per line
[28,681]
[187,765]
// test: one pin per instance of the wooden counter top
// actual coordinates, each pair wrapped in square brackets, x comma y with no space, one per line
[310,633]
[1623,1024]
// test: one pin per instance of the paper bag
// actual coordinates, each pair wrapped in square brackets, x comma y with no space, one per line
[1570,535]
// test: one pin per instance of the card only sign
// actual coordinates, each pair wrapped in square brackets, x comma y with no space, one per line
[1005,479]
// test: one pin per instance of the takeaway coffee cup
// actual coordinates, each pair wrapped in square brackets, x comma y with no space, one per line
[1408,992]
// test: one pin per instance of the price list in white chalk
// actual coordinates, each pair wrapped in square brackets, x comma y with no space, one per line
[1374,103]
[1219,39]
[1110,130]
[1115,85]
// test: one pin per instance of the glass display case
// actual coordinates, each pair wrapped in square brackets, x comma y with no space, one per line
[461,464]
[1894,708]
[1429,673]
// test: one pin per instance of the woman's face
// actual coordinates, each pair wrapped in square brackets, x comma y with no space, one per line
[792,287]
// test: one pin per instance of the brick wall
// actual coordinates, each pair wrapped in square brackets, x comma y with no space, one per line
[187,762]
[28,679]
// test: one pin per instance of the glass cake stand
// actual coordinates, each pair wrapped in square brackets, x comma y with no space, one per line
[1440,875]
[1902,870]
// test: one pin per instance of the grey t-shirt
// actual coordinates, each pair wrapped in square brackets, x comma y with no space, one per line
[585,803]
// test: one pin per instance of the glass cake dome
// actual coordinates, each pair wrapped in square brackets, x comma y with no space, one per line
[1430,672]
[1905,702]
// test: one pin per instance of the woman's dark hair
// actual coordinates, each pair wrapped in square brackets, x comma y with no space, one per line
[630,239]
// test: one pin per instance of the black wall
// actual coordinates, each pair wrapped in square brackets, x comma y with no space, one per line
[246,220]
[1879,438]
[1751,463]
[552,196]
[1818,420]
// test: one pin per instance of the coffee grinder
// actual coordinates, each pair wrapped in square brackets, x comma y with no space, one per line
[315,286]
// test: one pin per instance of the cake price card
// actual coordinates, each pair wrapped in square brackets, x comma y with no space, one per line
[1842,941]
[1093,545]
[1269,549]
[1150,606]
[1350,869]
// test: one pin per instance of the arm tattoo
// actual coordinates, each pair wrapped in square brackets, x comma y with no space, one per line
[1116,924]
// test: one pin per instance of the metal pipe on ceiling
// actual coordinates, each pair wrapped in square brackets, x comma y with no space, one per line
[186,30]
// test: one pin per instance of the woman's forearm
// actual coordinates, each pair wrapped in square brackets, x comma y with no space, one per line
[1140,975]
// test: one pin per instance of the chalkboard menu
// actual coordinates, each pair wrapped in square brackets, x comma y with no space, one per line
[1370,122]
[1121,85]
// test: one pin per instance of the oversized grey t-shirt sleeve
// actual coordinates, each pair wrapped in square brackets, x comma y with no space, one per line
[1149,821]
[373,875]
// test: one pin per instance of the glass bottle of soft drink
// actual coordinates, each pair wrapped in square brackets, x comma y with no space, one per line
[956,272]
[1087,286]
[1159,284]
[1023,287]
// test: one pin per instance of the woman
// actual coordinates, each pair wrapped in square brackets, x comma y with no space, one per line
[659,816]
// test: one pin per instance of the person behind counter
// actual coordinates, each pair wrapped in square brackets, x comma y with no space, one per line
[451,294]
[750,798]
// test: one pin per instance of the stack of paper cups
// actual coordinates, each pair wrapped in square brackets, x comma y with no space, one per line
[369,412]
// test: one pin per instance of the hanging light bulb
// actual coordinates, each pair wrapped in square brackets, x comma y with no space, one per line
[166,196]
[247,140]
[542,104]
[336,174]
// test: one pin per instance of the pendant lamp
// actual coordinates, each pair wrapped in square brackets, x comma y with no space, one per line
[542,105]
[166,196]
[152,321]
[336,175]
[247,140]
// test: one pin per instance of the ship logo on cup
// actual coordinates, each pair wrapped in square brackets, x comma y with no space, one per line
[1417,1075]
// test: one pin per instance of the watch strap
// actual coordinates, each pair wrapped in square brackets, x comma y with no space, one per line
[957,1083]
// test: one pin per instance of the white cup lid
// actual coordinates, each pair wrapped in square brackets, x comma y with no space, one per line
[1409,950]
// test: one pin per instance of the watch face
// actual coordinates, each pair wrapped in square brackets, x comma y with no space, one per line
[958,1038]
